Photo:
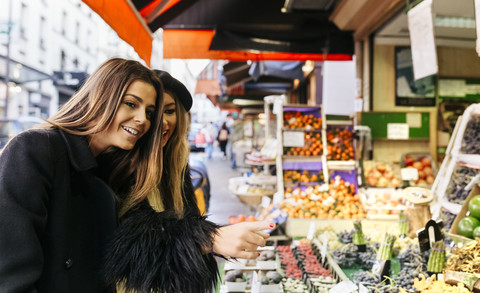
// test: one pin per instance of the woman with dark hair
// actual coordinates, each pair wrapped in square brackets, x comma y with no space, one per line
[165,244]
[56,212]
[222,138]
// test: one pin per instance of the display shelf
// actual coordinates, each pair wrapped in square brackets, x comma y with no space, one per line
[253,163]
[300,106]
[302,129]
[330,263]
[302,158]
[339,122]
[341,165]
[296,227]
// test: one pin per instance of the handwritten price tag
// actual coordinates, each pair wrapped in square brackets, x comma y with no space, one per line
[293,139]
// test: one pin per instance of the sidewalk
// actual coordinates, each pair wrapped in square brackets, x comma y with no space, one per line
[223,203]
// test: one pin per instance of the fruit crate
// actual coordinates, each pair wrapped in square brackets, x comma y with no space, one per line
[330,263]
[463,212]
[466,139]
[382,174]
[425,166]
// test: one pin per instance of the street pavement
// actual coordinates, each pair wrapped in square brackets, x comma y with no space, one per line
[223,203]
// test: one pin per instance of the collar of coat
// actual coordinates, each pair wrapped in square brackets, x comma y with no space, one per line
[79,153]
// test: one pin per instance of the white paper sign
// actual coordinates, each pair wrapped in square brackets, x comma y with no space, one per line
[398,131]
[266,202]
[311,231]
[414,120]
[422,40]
[323,249]
[293,139]
[408,174]
[344,287]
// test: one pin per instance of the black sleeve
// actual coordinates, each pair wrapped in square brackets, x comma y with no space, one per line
[157,252]
[26,165]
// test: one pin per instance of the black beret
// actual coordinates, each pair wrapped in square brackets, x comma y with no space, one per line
[173,85]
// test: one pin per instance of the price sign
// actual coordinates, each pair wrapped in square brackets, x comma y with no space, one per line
[408,174]
[422,40]
[397,131]
[344,287]
[293,139]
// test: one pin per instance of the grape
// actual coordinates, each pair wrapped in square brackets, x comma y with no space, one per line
[346,237]
[471,137]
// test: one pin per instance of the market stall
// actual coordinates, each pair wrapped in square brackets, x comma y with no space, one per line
[420,236]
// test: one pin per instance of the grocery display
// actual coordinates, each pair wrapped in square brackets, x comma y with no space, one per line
[381,174]
[341,210]
[340,143]
[424,166]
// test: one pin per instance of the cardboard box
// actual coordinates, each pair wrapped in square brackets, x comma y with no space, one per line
[463,212]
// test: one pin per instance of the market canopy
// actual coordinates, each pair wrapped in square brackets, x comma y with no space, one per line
[237,30]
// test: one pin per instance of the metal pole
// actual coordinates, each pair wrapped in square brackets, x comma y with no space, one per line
[7,77]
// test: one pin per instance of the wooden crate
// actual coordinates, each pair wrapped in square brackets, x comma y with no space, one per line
[463,212]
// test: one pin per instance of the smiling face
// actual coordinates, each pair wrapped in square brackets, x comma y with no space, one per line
[131,122]
[169,117]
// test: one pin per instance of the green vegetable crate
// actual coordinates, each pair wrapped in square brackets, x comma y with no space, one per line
[463,212]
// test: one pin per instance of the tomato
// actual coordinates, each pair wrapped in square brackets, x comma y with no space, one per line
[474,206]
[467,225]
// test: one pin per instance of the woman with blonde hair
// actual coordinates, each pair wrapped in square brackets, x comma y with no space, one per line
[165,244]
[60,184]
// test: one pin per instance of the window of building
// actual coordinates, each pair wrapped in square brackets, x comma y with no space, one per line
[41,33]
[77,32]
[64,22]
[23,18]
[87,41]
[63,60]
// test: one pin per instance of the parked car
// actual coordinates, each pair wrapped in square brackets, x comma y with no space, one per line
[11,127]
[201,183]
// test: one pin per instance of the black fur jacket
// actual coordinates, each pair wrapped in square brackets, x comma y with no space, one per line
[157,252]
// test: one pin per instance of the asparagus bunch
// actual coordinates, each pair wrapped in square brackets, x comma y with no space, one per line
[358,237]
[385,251]
[402,224]
[436,261]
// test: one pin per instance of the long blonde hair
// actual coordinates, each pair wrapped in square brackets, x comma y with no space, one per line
[132,174]
[175,160]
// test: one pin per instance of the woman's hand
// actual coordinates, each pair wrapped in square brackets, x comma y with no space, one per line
[241,240]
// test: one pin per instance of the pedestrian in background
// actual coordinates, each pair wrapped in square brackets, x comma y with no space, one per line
[222,138]
[164,244]
[57,207]
[211,134]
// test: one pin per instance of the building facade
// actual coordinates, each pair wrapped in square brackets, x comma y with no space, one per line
[47,48]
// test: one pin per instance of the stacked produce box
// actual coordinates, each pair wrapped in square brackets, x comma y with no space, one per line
[318,167]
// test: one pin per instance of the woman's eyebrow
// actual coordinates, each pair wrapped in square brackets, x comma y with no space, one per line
[140,99]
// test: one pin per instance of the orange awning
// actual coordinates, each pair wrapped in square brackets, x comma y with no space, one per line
[194,44]
[128,24]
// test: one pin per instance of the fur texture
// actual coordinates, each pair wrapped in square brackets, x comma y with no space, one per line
[157,252]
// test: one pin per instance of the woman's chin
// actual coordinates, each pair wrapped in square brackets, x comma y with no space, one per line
[164,142]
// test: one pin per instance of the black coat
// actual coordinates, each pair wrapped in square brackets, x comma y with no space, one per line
[55,214]
[157,252]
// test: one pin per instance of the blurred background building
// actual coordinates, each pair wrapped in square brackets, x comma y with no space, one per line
[48,48]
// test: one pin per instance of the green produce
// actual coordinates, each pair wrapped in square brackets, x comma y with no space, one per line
[436,261]
[467,225]
[402,224]
[385,251]
[474,206]
[358,237]
[476,232]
